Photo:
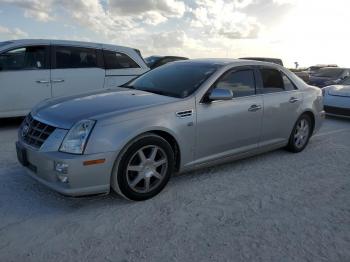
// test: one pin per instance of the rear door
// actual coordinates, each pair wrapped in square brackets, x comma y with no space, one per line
[282,105]
[120,68]
[76,70]
[24,79]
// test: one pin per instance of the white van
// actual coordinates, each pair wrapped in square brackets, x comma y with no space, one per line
[34,70]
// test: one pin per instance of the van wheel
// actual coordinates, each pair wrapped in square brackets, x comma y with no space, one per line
[300,135]
[145,168]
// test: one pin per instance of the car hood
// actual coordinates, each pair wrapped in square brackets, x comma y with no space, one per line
[339,90]
[65,112]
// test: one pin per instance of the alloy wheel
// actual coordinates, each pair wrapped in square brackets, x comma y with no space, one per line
[146,169]
[301,134]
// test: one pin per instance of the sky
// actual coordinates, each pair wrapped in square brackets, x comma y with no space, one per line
[307,31]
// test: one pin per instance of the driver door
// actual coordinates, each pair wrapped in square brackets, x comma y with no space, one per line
[226,128]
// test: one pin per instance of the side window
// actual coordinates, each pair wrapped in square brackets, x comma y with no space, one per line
[75,57]
[272,80]
[24,58]
[241,83]
[115,60]
[288,84]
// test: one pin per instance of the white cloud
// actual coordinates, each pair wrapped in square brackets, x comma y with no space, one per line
[167,40]
[37,9]
[194,28]
[282,2]
[121,12]
[169,8]
[14,33]
[225,18]
[38,15]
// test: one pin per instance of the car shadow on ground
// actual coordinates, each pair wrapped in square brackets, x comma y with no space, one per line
[339,118]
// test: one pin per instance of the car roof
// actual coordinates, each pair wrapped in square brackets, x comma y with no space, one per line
[226,62]
[260,57]
[65,42]
[174,56]
[334,68]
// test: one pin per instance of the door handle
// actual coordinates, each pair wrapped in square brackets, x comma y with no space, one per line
[293,100]
[254,108]
[57,80]
[43,81]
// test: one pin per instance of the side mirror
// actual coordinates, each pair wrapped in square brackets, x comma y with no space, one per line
[220,94]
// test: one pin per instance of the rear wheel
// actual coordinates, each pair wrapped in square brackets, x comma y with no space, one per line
[300,135]
[145,168]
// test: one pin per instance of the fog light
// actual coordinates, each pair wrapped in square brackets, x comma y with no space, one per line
[61,167]
[62,178]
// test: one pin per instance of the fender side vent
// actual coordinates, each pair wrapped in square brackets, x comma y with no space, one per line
[186,113]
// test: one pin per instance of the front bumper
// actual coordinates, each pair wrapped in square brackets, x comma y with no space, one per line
[337,105]
[81,179]
[337,111]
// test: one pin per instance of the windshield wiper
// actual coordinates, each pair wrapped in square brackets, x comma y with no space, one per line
[127,86]
[158,92]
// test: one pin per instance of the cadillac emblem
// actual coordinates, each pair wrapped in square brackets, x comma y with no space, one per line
[25,131]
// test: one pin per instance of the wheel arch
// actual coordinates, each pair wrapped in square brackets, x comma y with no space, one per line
[166,135]
[312,116]
[173,143]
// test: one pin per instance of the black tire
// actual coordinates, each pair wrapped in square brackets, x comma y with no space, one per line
[292,145]
[121,175]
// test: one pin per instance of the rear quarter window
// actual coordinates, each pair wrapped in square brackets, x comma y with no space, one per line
[272,80]
[116,60]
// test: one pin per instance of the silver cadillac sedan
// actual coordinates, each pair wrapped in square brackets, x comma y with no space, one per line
[178,117]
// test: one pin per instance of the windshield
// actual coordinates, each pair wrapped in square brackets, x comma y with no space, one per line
[329,72]
[314,68]
[175,79]
[345,82]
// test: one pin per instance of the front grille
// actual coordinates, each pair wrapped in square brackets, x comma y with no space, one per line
[34,132]
[337,110]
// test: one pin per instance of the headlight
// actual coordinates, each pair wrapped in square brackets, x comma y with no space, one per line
[76,139]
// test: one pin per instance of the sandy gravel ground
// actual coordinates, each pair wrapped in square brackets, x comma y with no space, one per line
[274,207]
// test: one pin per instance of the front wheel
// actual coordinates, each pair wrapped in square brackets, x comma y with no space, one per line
[300,135]
[144,168]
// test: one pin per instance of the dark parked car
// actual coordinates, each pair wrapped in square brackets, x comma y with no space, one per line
[329,76]
[156,61]
[303,75]
[265,59]
[314,69]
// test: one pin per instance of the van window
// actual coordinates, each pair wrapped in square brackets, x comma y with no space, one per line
[115,60]
[24,58]
[272,80]
[75,57]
